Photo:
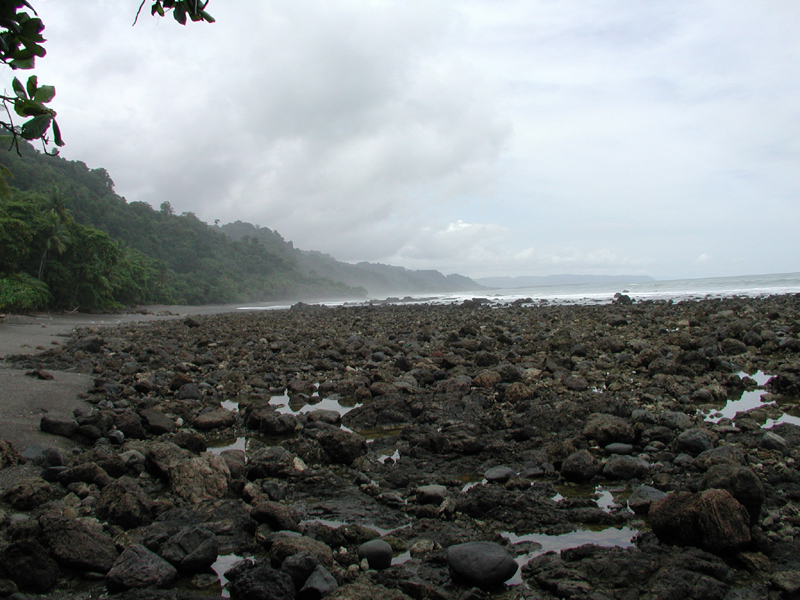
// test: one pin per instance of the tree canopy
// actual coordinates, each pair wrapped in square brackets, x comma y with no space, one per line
[22,42]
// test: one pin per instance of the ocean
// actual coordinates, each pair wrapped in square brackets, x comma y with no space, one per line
[676,290]
[603,293]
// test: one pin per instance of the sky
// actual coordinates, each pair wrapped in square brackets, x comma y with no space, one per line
[480,137]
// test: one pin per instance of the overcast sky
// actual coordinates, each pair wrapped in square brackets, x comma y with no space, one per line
[483,137]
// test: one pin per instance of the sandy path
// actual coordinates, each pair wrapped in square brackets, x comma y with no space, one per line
[24,399]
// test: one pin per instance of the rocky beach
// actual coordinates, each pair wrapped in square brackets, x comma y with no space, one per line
[632,450]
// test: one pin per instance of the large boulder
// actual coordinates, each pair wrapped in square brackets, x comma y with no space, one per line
[713,520]
[204,477]
[192,550]
[79,544]
[215,419]
[742,483]
[485,564]
[29,566]
[138,567]
[579,467]
[342,447]
[625,467]
[259,581]
[607,429]
[377,552]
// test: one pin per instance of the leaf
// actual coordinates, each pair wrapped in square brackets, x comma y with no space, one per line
[44,94]
[22,63]
[179,12]
[57,134]
[18,89]
[33,83]
[207,17]
[36,127]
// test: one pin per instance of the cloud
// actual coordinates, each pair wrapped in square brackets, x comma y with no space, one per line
[611,137]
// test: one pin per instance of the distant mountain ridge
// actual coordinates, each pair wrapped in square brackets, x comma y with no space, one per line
[552,280]
[378,279]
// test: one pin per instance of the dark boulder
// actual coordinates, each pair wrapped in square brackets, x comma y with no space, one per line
[485,564]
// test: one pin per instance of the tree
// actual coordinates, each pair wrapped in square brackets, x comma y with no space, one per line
[22,42]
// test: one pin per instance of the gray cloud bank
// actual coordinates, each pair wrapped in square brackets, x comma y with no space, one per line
[479,137]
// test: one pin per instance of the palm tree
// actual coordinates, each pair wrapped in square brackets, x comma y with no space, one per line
[57,217]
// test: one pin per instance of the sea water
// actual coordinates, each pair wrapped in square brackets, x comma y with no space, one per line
[602,293]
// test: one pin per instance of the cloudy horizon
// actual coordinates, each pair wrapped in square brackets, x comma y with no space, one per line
[472,137]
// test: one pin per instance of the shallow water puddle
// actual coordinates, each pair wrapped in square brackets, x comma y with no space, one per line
[606,498]
[748,400]
[239,443]
[222,564]
[540,543]
[299,405]
[384,457]
[230,405]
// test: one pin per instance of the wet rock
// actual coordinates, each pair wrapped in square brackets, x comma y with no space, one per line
[28,494]
[694,441]
[713,520]
[676,420]
[157,422]
[282,548]
[741,482]
[499,474]
[431,494]
[29,566]
[619,448]
[9,457]
[215,419]
[261,582]
[341,446]
[643,497]
[125,503]
[366,591]
[772,441]
[191,550]
[607,429]
[272,461]
[137,567]
[79,544]
[377,552]
[59,425]
[485,564]
[88,472]
[299,567]
[236,461]
[204,477]
[318,585]
[278,516]
[579,466]
[625,467]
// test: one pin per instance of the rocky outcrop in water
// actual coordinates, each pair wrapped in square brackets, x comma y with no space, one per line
[423,452]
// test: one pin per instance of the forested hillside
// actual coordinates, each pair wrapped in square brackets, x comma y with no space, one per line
[67,241]
[379,280]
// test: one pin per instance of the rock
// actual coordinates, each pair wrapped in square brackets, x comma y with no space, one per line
[125,503]
[318,585]
[157,422]
[366,591]
[137,567]
[342,446]
[79,544]
[579,466]
[192,550]
[261,582]
[299,567]
[88,472]
[517,392]
[713,520]
[28,493]
[431,494]
[485,564]
[284,547]
[625,467]
[204,477]
[499,474]
[59,425]
[272,461]
[29,566]
[278,516]
[694,441]
[723,521]
[607,429]
[9,457]
[215,419]
[618,448]
[642,497]
[741,482]
[676,420]
[236,461]
[772,441]
[377,552]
